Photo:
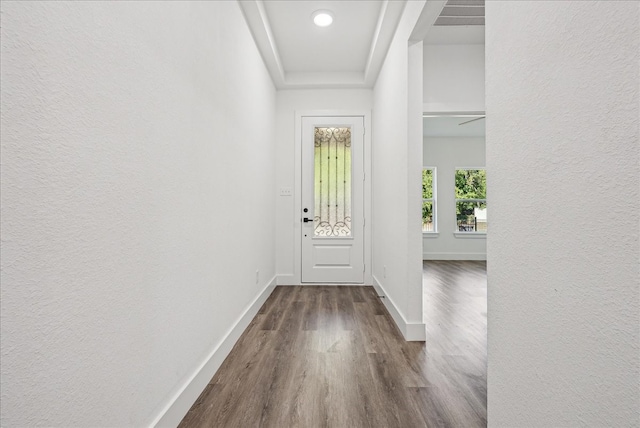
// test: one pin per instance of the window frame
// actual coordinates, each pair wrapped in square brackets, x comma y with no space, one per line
[457,232]
[433,200]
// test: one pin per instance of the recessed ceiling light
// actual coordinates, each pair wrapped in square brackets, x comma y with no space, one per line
[322,18]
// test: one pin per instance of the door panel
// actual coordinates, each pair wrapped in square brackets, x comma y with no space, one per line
[331,255]
[332,199]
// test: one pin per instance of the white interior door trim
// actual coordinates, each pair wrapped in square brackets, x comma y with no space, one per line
[297,200]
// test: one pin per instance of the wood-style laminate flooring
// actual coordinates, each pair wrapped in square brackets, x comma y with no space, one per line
[331,356]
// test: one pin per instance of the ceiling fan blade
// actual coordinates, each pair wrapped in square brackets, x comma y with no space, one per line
[472,120]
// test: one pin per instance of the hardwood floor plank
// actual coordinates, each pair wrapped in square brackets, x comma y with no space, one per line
[312,309]
[430,405]
[357,295]
[398,411]
[345,309]
[331,356]
[372,341]
[269,310]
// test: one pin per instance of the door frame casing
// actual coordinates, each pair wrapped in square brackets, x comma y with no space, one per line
[297,193]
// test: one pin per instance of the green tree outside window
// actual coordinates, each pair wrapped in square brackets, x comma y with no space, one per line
[428,200]
[471,198]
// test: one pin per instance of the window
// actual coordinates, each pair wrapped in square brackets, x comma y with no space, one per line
[332,185]
[429,200]
[471,200]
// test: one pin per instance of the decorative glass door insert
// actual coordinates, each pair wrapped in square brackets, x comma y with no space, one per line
[332,184]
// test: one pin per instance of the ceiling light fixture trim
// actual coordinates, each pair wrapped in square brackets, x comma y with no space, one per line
[322,18]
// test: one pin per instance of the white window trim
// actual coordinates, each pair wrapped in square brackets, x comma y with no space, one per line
[457,233]
[434,233]
[471,235]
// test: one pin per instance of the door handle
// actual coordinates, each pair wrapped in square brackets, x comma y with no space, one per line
[307,220]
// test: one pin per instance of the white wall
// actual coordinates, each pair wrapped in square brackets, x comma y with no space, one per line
[562,152]
[137,152]
[397,148]
[447,154]
[288,216]
[453,78]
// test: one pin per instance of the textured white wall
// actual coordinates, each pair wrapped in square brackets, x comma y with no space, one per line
[563,153]
[397,154]
[137,155]
[453,78]
[446,154]
[288,216]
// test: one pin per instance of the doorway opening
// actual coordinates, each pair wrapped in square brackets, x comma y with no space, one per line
[334,199]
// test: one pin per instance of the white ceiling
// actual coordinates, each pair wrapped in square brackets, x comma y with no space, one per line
[455,35]
[448,126]
[347,54]
[304,47]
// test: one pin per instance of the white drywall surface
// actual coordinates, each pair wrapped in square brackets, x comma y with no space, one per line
[453,78]
[137,198]
[563,152]
[397,155]
[446,154]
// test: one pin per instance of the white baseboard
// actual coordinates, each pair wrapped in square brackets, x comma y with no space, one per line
[412,332]
[454,256]
[177,408]
[286,279]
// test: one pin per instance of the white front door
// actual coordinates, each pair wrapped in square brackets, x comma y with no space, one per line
[332,199]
